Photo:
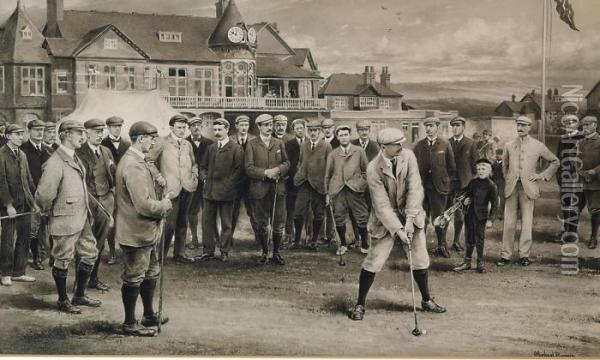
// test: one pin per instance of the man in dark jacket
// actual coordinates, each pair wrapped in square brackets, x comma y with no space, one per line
[220,171]
[242,125]
[363,128]
[437,168]
[292,148]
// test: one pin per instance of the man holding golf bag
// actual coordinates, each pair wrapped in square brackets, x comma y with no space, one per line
[397,215]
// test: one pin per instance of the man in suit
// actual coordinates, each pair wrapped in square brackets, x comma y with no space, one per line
[50,137]
[174,167]
[267,166]
[310,180]
[465,157]
[37,154]
[498,178]
[100,171]
[521,157]
[292,148]
[62,192]
[138,230]
[328,128]
[118,146]
[200,146]
[221,171]
[16,189]
[589,153]
[363,128]
[242,125]
[437,167]
[346,184]
[395,185]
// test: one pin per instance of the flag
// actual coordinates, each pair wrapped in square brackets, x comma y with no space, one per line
[565,10]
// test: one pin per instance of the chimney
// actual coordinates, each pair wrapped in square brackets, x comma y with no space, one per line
[514,98]
[366,75]
[549,93]
[555,92]
[385,76]
[220,7]
[54,16]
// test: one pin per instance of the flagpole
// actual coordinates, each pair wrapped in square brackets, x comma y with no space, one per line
[542,132]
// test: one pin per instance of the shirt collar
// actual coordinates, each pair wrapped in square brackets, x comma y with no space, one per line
[175,138]
[143,156]
[224,141]
[12,147]
[458,138]
[114,138]
[328,139]
[93,147]
[265,139]
[314,143]
[431,139]
[36,145]
[70,152]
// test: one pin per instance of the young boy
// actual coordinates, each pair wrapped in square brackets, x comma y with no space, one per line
[481,194]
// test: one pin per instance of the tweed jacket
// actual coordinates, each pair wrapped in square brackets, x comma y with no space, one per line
[395,197]
[88,158]
[372,148]
[346,170]
[175,162]
[292,148]
[200,153]
[436,164]
[117,152]
[16,186]
[521,158]
[483,193]
[465,156]
[589,153]
[258,158]
[311,165]
[62,191]
[138,210]
[36,159]
[221,172]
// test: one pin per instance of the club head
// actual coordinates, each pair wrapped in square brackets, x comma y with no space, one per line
[342,262]
[418,332]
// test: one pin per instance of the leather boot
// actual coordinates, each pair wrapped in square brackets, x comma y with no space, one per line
[83,275]
[147,289]
[298,225]
[129,295]
[341,230]
[594,237]
[364,239]
[442,250]
[60,279]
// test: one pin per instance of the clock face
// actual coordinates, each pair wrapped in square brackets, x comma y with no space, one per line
[252,36]
[235,34]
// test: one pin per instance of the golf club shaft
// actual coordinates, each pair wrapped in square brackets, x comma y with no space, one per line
[162,251]
[412,281]
[337,236]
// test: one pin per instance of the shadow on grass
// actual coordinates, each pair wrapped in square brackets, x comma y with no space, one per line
[343,305]
[434,265]
[26,302]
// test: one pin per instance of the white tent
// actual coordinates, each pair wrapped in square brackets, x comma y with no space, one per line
[131,106]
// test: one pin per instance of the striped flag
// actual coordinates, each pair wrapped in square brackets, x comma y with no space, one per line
[565,10]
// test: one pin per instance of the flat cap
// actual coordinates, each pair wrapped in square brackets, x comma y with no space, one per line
[194,120]
[263,118]
[314,123]
[343,127]
[177,118]
[363,124]
[431,120]
[242,118]
[389,136]
[50,125]
[458,119]
[589,119]
[70,125]
[280,118]
[114,120]
[36,124]
[300,121]
[221,121]
[93,124]
[142,128]
[14,128]
[326,123]
[483,161]
[523,120]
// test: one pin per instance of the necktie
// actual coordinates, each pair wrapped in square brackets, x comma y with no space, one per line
[115,140]
[312,146]
[363,144]
[97,152]
[430,143]
[38,148]
[17,153]
[393,161]
[220,145]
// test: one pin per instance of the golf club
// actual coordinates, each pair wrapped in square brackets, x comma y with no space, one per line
[416,331]
[341,261]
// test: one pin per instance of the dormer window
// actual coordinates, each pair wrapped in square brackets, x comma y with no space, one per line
[26,33]
[169,36]
[110,44]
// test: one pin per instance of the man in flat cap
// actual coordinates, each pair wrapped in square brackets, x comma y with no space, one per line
[16,197]
[37,154]
[62,192]
[310,180]
[267,166]
[395,185]
[292,148]
[50,137]
[589,153]
[328,127]
[174,166]
[437,167]
[363,128]
[138,230]
[221,172]
[200,146]
[100,172]
[521,157]
[465,156]
[242,137]
[280,124]
[346,184]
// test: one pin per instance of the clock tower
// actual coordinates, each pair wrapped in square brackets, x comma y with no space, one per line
[232,38]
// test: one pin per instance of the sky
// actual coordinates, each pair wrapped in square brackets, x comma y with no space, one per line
[420,40]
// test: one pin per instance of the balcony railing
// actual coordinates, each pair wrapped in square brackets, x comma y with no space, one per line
[246,103]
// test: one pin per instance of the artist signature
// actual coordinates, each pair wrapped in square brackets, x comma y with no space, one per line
[550,354]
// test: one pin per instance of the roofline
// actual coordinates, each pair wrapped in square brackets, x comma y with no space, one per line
[593,89]
[121,34]
[276,34]
[136,13]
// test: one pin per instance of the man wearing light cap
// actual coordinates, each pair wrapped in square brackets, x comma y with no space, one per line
[62,192]
[292,148]
[50,137]
[363,128]
[521,157]
[589,153]
[267,166]
[280,123]
[437,167]
[328,133]
[395,186]
[242,137]
[100,171]
[138,230]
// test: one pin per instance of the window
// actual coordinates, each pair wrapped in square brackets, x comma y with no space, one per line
[32,81]
[61,82]
[415,131]
[110,72]
[239,78]
[368,101]
[177,81]
[26,33]
[405,128]
[92,75]
[110,44]
[203,79]
[1,79]
[150,78]
[340,103]
[169,36]
[228,86]
[385,103]
[130,73]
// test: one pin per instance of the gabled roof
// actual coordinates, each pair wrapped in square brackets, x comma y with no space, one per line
[518,107]
[142,30]
[280,67]
[15,49]
[231,17]
[302,54]
[353,85]
[93,35]
[593,89]
[264,26]
[551,105]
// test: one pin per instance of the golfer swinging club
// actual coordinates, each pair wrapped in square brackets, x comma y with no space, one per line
[397,196]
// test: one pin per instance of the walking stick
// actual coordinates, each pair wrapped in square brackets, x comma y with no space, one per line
[6,217]
[272,219]
[338,240]
[162,226]
[416,331]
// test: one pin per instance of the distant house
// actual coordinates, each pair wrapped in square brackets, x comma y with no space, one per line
[593,100]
